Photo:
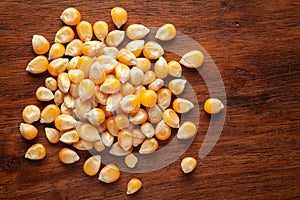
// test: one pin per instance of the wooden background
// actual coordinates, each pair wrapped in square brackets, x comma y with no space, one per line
[255,45]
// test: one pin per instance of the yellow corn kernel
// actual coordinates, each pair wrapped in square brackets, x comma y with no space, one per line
[130,103]
[84,30]
[175,69]
[177,86]
[161,68]
[149,77]
[138,137]
[100,30]
[58,97]
[69,137]
[44,94]
[107,62]
[181,105]
[192,59]
[107,139]
[126,89]
[63,82]
[133,186]
[109,174]
[136,47]
[144,64]
[36,152]
[92,165]
[74,48]
[86,89]
[164,96]
[58,66]
[100,97]
[137,31]
[38,65]
[126,57]
[69,101]
[122,121]
[65,110]
[51,83]
[166,32]
[28,131]
[64,35]
[149,145]
[64,122]
[76,75]
[40,44]
[138,90]
[84,64]
[87,132]
[115,38]
[131,160]
[96,116]
[97,73]
[71,16]
[213,106]
[187,130]
[122,72]
[153,50]
[154,114]
[83,145]
[111,51]
[162,131]
[31,113]
[112,126]
[73,63]
[68,156]
[74,90]
[188,164]
[52,135]
[148,98]
[57,50]
[49,113]
[147,129]
[139,117]
[92,48]
[99,146]
[171,118]
[117,150]
[119,16]
[125,139]
[156,84]
[110,86]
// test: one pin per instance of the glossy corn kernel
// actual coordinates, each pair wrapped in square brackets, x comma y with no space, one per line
[97,73]
[65,110]
[86,89]
[119,16]
[164,96]
[139,89]
[153,50]
[148,98]
[84,30]
[136,47]
[28,131]
[44,94]
[84,64]
[192,59]
[122,121]
[99,146]
[177,86]
[70,16]
[162,131]
[115,38]
[171,118]
[213,106]
[69,137]
[149,145]
[68,156]
[122,72]
[57,50]
[156,84]
[64,122]
[73,63]
[161,68]
[110,86]
[109,174]
[40,44]
[139,117]
[111,51]
[166,32]
[87,132]
[76,75]
[133,186]
[96,116]
[107,139]
[82,108]
[181,105]
[117,150]
[130,103]
[136,76]
[154,114]
[92,48]
[131,160]
[125,139]
[36,152]
[187,130]
[58,66]
[188,164]
[175,69]
[63,82]
[58,97]
[113,102]
[109,63]
[144,64]
[126,89]
[64,35]
[31,113]
[100,29]
[51,83]
[83,145]
[74,48]
[126,57]
[138,137]
[92,165]
[99,96]
[52,135]
[149,77]
[147,129]
[136,31]
[49,113]
[69,101]
[111,126]
[38,65]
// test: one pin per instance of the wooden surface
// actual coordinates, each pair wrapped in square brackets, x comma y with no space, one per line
[256,48]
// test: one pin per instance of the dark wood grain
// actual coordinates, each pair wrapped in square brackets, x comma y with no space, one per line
[255,45]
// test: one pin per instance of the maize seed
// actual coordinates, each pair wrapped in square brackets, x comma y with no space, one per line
[130,103]
[28,131]
[107,139]
[131,160]
[138,90]
[148,98]
[154,114]
[113,102]
[38,65]
[119,16]
[40,44]
[162,131]
[147,129]
[109,63]
[92,165]
[83,145]
[126,57]
[111,51]
[65,110]
[85,31]
[177,86]
[64,35]
[86,89]
[52,135]
[188,164]
[126,89]
[144,64]
[192,59]
[133,186]
[97,73]
[44,94]
[49,113]
[71,16]
[112,127]
[166,32]
[110,86]
[156,84]
[57,50]
[64,122]
[63,82]
[69,101]
[99,146]
[187,130]
[136,47]
[181,105]
[74,48]
[76,75]
[31,113]
[74,90]
[92,48]
[100,30]
[68,156]
[149,145]
[171,118]
[136,76]
[139,117]
[115,38]
[122,121]
[87,132]
[122,72]
[96,116]
[69,137]
[161,68]
[58,66]
[213,106]
[153,50]
[149,77]
[72,64]
[175,69]
[99,96]
[117,150]
[164,98]
[125,139]
[51,83]
[109,174]
[58,97]
[84,64]
[136,31]
[36,152]
[138,137]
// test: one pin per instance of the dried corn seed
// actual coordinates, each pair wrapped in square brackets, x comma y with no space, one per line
[187,130]
[112,127]
[71,16]
[175,69]
[107,139]
[213,106]
[109,63]
[92,165]
[181,105]
[177,86]
[133,186]
[136,47]
[58,66]
[166,32]
[99,146]
[131,160]
[117,150]
[68,156]
[57,50]
[154,114]
[74,90]
[86,89]
[64,122]
[69,101]
[130,103]
[96,116]
[64,35]
[161,68]
[40,44]
[111,51]
[63,82]
[136,31]
[153,50]
[76,75]
[156,84]
[31,113]
[149,77]
[164,98]
[138,90]
[84,30]
[148,98]
[138,137]
[97,73]
[65,110]
[36,152]
[109,174]
[110,86]
[84,64]
[125,139]
[126,57]
[192,59]
[115,38]
[119,16]
[87,132]
[51,83]
[44,94]
[72,64]
[52,135]
[113,102]
[69,137]
[136,76]
[74,48]
[100,97]
[171,118]
[162,131]
[122,72]
[139,117]
[147,129]
[83,145]
[126,89]
[92,48]
[122,121]
[188,164]
[58,97]
[28,131]
[49,113]
[149,145]
[144,64]
[38,65]
[100,30]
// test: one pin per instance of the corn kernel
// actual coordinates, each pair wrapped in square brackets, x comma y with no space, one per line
[58,97]
[126,57]
[122,121]
[65,110]
[92,48]
[74,48]
[96,116]
[125,139]
[139,117]
[133,186]
[166,32]
[31,113]
[177,86]
[71,16]
[188,164]
[171,118]
[97,73]
[109,63]
[162,131]
[192,59]
[107,139]
[100,30]
[161,68]
[64,35]
[40,44]
[122,72]
[83,145]
[57,50]
[52,135]
[119,16]
[84,30]
[131,160]
[153,50]
[38,65]
[76,75]
[113,102]
[72,64]
[213,106]
[148,98]
[117,150]
[64,122]
[99,146]
[147,129]
[164,98]
[136,47]
[126,89]
[175,69]
[87,132]
[149,77]
[115,38]
[44,94]
[86,89]
[69,101]
[36,152]
[156,84]
[187,130]
[68,156]
[92,165]
[109,174]
[130,103]
[149,145]
[111,51]
[136,76]
[154,114]
[58,66]
[84,64]
[138,90]
[63,82]
[69,137]
[28,131]
[112,126]
[136,31]
[110,86]
[49,113]
[99,96]
[51,83]
[181,105]
[138,137]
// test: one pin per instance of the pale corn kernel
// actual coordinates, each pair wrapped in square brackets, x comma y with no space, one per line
[187,130]
[69,137]
[177,86]
[112,127]
[126,57]
[28,131]
[36,152]
[122,72]
[130,103]
[84,30]
[74,90]
[153,50]
[58,97]
[40,44]
[147,129]
[72,64]
[38,65]
[122,121]
[52,135]
[133,186]
[188,164]
[84,64]
[192,59]
[58,66]
[99,146]
[107,139]
[136,47]
[137,31]
[100,30]
[115,38]
[49,113]
[126,89]
[68,156]
[138,137]
[109,174]
[109,63]
[154,114]
[57,50]
[113,102]
[76,75]
[44,94]
[149,145]
[144,64]
[83,145]
[181,105]
[74,48]
[131,160]
[99,96]
[166,32]
[125,139]
[97,73]
[117,150]
[64,122]
[119,16]
[213,106]
[65,110]
[64,35]
[31,113]
[71,16]
[164,96]
[51,83]
[87,132]
[96,116]
[162,131]
[110,86]
[171,118]
[63,82]
[156,84]
[175,69]
[111,51]
[92,165]
[86,89]
[92,48]
[136,76]
[69,101]
[161,68]
[148,98]
[139,117]
[149,77]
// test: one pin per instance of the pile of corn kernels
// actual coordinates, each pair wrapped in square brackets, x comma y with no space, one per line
[105,97]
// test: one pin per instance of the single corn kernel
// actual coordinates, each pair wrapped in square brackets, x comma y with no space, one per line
[57,50]
[64,35]
[133,186]
[76,75]
[87,132]
[113,102]
[58,66]
[63,82]
[156,84]
[154,114]
[58,97]
[84,30]
[164,96]
[166,32]
[107,139]
[153,50]
[110,86]
[74,90]
[181,105]
[147,129]
[100,30]
[83,145]
[192,59]
[122,121]
[148,98]
[188,164]
[97,73]
[126,57]
[73,63]
[175,69]
[86,89]
[96,116]
[82,108]
[131,160]
[49,113]
[119,16]
[92,165]
[36,152]
[65,110]
[92,48]
[64,122]
[171,118]
[112,126]
[99,146]
[52,135]
[213,106]
[149,145]
[130,103]
[177,86]
[44,94]
[138,90]
[28,131]
[109,174]
[99,96]
[68,156]
[161,68]
[137,31]
[69,137]
[125,139]
[117,150]
[136,76]
[74,48]
[122,72]
[51,83]
[138,137]
[31,113]
[38,65]
[162,131]
[187,130]
[136,47]
[40,44]
[71,16]
[149,77]
[115,38]
[109,63]
[111,51]
[69,101]
[139,117]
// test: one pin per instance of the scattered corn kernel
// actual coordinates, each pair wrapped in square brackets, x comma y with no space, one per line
[58,66]
[136,31]
[74,48]
[164,98]
[51,83]
[109,174]
[192,59]
[122,72]
[64,122]
[38,65]
[64,35]
[97,73]
[133,186]
[36,152]
[149,145]
[92,48]
[119,16]
[76,75]
[117,150]
[139,89]
[175,69]
[125,139]
[86,89]
[100,97]
[52,135]
[188,164]
[139,117]
[110,86]
[153,50]
[213,106]
[68,156]
[166,32]
[111,126]
[148,98]
[100,30]
[187,130]
[109,63]
[63,82]
[57,50]
[107,139]
[136,47]
[126,57]
[71,16]
[84,30]
[147,129]
[111,51]
[171,118]
[28,131]
[177,86]
[96,116]
[154,114]
[131,160]
[115,38]
[136,76]
[113,102]
[40,44]
[99,146]
[122,121]
[44,94]
[58,97]
[49,113]
[31,113]
[92,165]
[87,132]
[83,145]
[84,64]
[162,131]
[144,64]
[181,105]
[69,137]
[138,137]
[72,64]
[69,101]
[156,84]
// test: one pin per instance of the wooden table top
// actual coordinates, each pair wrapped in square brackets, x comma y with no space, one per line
[255,46]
